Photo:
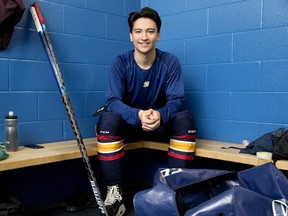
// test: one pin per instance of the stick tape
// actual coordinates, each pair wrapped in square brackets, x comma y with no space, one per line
[264,155]
[36,20]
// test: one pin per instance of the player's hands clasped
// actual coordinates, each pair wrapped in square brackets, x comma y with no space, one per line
[150,119]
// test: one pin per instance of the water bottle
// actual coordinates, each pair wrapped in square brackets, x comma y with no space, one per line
[11,133]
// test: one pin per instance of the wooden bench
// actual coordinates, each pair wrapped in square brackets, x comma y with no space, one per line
[61,151]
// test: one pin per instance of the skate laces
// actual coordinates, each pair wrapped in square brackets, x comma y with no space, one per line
[113,195]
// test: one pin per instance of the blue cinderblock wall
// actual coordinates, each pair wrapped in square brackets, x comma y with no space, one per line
[234,58]
[86,35]
[233,55]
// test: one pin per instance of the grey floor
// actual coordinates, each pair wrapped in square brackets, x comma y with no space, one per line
[92,210]
[140,167]
[88,212]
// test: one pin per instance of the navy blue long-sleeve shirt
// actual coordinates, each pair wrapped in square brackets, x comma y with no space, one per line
[131,88]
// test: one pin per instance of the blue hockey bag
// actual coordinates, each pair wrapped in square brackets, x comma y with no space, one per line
[236,201]
[266,180]
[177,190]
[260,190]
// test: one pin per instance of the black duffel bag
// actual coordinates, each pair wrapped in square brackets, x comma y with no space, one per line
[11,12]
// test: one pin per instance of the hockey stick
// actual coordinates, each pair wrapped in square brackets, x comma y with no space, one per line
[41,20]
[65,98]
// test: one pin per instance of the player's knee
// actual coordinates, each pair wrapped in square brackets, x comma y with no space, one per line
[110,124]
[183,123]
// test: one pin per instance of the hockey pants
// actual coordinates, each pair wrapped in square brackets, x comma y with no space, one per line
[112,131]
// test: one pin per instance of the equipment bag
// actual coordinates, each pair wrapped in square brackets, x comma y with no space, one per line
[11,12]
[3,154]
[263,192]
[236,201]
[177,190]
[280,151]
[186,192]
[266,180]
[264,143]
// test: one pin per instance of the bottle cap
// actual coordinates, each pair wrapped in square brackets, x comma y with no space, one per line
[11,115]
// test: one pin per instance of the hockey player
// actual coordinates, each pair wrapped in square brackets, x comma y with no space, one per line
[145,101]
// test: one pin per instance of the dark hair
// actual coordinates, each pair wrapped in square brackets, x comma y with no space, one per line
[145,12]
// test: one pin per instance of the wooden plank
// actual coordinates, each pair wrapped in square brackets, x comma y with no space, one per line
[61,151]
[282,164]
[155,145]
[133,145]
[214,150]
[221,151]
[52,152]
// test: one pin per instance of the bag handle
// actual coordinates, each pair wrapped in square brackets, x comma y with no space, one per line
[279,207]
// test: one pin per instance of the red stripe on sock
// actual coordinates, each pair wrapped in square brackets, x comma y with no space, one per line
[190,137]
[110,158]
[182,157]
[109,138]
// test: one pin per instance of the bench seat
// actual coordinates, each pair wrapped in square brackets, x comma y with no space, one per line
[66,150]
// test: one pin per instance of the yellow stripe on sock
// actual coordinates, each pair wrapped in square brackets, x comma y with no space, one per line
[182,145]
[110,147]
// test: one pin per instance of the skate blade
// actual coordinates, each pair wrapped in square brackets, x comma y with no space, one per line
[121,210]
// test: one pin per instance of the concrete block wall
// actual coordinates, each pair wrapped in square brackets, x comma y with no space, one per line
[86,35]
[233,55]
[234,59]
